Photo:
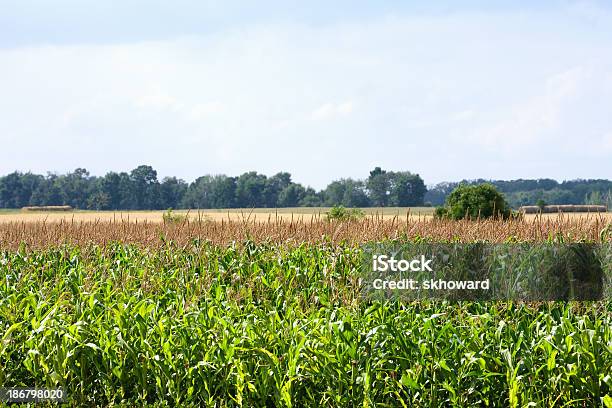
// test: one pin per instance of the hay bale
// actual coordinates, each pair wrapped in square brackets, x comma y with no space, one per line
[48,208]
[564,208]
[529,209]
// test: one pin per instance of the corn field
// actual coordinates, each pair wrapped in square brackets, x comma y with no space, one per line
[591,228]
[242,314]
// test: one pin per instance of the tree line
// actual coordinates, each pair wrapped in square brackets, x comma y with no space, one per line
[531,191]
[140,189]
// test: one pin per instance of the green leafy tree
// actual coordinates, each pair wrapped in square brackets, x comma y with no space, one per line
[145,187]
[406,189]
[311,198]
[16,189]
[378,185]
[346,192]
[211,192]
[110,186]
[481,200]
[273,188]
[223,192]
[291,196]
[250,190]
[75,188]
[172,191]
[334,193]
[128,200]
[355,194]
[140,189]
[48,192]
[98,201]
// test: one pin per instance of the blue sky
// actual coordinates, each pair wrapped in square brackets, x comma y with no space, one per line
[321,89]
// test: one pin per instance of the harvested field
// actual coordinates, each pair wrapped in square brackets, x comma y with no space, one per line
[258,215]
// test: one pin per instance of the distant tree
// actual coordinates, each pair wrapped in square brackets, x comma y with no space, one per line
[128,200]
[110,186]
[291,195]
[198,193]
[273,188]
[223,192]
[334,193]
[546,184]
[355,194]
[347,193]
[145,187]
[406,189]
[48,192]
[75,188]
[211,192]
[378,187]
[16,189]
[311,198]
[595,198]
[438,193]
[98,201]
[250,190]
[172,191]
[140,189]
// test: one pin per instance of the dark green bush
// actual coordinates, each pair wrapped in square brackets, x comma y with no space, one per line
[345,214]
[170,217]
[440,212]
[475,201]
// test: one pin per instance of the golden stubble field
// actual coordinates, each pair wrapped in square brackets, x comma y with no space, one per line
[257,214]
[251,215]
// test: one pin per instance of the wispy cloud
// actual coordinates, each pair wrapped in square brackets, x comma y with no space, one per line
[546,114]
[331,111]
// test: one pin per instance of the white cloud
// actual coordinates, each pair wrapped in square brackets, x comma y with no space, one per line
[331,111]
[203,110]
[606,142]
[159,101]
[591,11]
[464,115]
[541,118]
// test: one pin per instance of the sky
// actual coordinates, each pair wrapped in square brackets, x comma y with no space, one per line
[324,90]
